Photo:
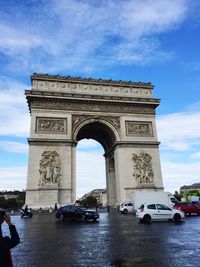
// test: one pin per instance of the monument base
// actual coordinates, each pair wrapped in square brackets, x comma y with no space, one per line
[43,197]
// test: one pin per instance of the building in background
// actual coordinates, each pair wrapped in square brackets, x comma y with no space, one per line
[99,194]
[188,188]
[12,194]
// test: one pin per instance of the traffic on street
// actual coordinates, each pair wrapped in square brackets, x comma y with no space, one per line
[114,240]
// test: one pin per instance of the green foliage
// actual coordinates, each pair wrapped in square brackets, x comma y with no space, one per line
[89,201]
[12,203]
[191,193]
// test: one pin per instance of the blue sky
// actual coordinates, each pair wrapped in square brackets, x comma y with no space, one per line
[139,40]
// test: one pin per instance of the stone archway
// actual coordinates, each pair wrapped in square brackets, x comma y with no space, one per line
[102,131]
[119,115]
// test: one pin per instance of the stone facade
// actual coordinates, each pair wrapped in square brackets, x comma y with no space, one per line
[119,115]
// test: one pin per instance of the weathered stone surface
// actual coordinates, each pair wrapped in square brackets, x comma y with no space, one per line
[119,115]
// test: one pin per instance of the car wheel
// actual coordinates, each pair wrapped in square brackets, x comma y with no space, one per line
[177,217]
[125,211]
[147,218]
[83,219]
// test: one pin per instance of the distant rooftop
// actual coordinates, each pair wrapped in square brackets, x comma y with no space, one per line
[196,185]
[89,80]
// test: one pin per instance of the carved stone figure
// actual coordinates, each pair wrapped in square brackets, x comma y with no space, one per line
[141,129]
[51,125]
[143,172]
[50,168]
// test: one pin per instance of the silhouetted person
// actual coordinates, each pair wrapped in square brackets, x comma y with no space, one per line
[7,243]
[55,207]
[26,209]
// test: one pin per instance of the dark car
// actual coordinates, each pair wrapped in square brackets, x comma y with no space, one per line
[74,212]
[188,207]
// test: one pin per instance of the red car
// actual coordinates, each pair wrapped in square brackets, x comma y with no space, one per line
[188,207]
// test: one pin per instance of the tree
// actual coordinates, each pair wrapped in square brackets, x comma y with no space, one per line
[12,203]
[89,201]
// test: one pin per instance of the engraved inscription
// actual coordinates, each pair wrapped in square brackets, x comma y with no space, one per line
[124,108]
[140,129]
[142,166]
[51,125]
[50,168]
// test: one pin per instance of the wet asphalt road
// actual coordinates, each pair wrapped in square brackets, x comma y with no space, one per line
[116,240]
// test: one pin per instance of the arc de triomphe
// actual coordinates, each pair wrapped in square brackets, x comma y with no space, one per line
[119,115]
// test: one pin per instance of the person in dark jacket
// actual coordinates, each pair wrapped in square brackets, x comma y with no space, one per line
[7,243]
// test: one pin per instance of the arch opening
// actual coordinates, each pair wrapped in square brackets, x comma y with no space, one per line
[98,132]
[105,136]
[90,168]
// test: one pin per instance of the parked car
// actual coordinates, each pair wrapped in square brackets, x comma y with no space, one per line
[76,213]
[147,213]
[188,207]
[126,207]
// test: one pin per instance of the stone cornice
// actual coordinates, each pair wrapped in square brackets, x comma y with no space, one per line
[77,96]
[126,144]
[47,77]
[83,103]
[51,142]
[92,106]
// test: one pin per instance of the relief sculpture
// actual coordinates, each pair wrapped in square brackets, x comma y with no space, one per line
[143,172]
[140,129]
[50,168]
[51,125]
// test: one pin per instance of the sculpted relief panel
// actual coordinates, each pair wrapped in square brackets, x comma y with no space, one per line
[70,87]
[51,125]
[139,129]
[142,166]
[50,168]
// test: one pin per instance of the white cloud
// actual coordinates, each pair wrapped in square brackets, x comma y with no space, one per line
[177,174]
[14,147]
[179,134]
[14,114]
[179,131]
[90,172]
[13,178]
[88,144]
[16,40]
[195,155]
[79,33]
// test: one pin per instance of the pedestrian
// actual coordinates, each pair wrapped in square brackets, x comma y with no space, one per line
[7,243]
[55,207]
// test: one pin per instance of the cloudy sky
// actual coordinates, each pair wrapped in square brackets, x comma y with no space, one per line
[140,40]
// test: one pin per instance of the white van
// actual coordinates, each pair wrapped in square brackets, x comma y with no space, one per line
[148,197]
